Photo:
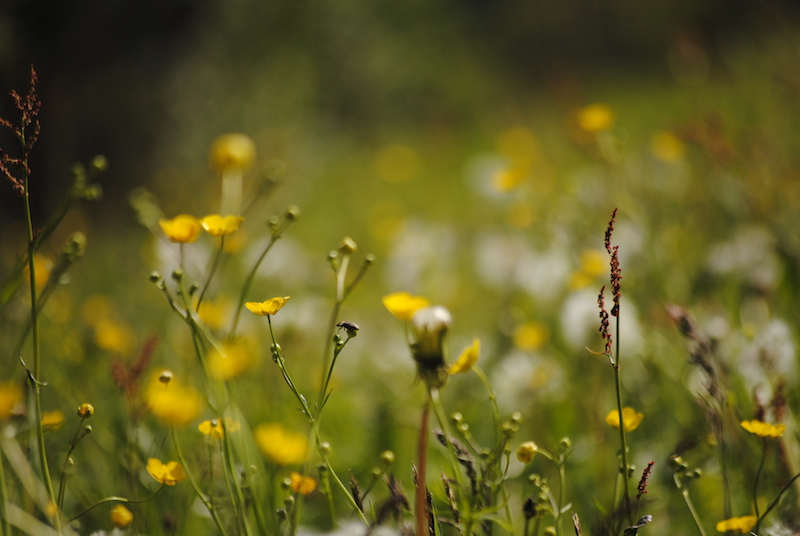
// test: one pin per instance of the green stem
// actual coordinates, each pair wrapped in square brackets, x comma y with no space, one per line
[685,493]
[193,482]
[6,525]
[562,489]
[119,500]
[214,267]
[239,494]
[623,442]
[63,485]
[758,474]
[774,503]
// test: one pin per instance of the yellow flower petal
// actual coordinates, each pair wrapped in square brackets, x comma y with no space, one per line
[269,307]
[214,428]
[467,358]
[737,524]
[169,474]
[240,354]
[630,417]
[280,445]
[303,485]
[173,403]
[232,152]
[183,228]
[121,516]
[216,225]
[596,117]
[403,305]
[763,429]
[10,396]
[53,419]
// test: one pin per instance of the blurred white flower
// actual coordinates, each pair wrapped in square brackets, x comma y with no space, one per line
[520,376]
[750,254]
[769,358]
[351,528]
[419,249]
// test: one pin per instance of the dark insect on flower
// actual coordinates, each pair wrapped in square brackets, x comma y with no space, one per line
[350,327]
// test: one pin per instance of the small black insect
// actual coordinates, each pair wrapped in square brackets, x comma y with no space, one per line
[349,326]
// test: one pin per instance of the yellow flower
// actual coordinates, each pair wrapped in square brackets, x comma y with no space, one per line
[509,178]
[214,428]
[527,451]
[596,117]
[53,419]
[121,516]
[96,308]
[737,524]
[169,474]
[467,358]
[240,354]
[216,225]
[280,445]
[403,305]
[763,429]
[232,151]
[173,403]
[531,336]
[212,312]
[269,307]
[183,228]
[303,485]
[631,419]
[42,265]
[114,336]
[666,146]
[10,396]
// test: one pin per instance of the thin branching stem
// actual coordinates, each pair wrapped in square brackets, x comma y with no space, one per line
[118,500]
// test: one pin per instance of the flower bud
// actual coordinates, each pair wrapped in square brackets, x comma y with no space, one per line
[348,246]
[155,276]
[550,531]
[387,457]
[526,452]
[324,447]
[85,411]
[430,326]
[292,213]
[235,152]
[165,377]
[98,164]
[565,443]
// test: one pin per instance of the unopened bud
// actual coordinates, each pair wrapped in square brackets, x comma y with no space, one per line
[292,213]
[527,451]
[165,377]
[387,457]
[85,411]
[348,246]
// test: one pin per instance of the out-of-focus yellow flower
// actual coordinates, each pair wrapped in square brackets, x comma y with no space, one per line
[42,265]
[467,358]
[121,516]
[53,419]
[96,308]
[527,451]
[737,524]
[667,147]
[269,307]
[403,305]
[594,262]
[113,336]
[596,118]
[216,225]
[213,428]
[183,228]
[630,417]
[763,429]
[519,145]
[169,474]
[85,411]
[507,179]
[212,312]
[280,445]
[396,164]
[531,336]
[240,354]
[232,152]
[10,396]
[175,404]
[303,485]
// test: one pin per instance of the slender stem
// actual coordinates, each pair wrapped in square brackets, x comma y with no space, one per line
[214,267]
[758,474]
[685,494]
[63,485]
[774,503]
[226,452]
[119,500]
[623,442]
[6,525]
[193,482]
[562,489]
[492,398]
[420,498]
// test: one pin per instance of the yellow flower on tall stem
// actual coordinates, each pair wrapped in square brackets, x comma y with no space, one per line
[737,524]
[121,516]
[269,307]
[630,417]
[175,404]
[763,429]
[467,358]
[403,305]
[183,229]
[213,428]
[170,473]
[217,225]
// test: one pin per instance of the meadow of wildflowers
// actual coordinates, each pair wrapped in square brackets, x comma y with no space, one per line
[585,324]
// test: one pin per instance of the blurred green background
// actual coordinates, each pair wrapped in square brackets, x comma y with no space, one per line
[453,141]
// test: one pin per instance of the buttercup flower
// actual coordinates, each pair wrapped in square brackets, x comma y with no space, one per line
[403,305]
[53,419]
[467,358]
[303,485]
[232,151]
[763,429]
[269,307]
[596,117]
[239,356]
[214,428]
[10,395]
[169,474]
[280,445]
[630,417]
[121,516]
[527,451]
[216,225]
[183,228]
[737,524]
[175,404]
